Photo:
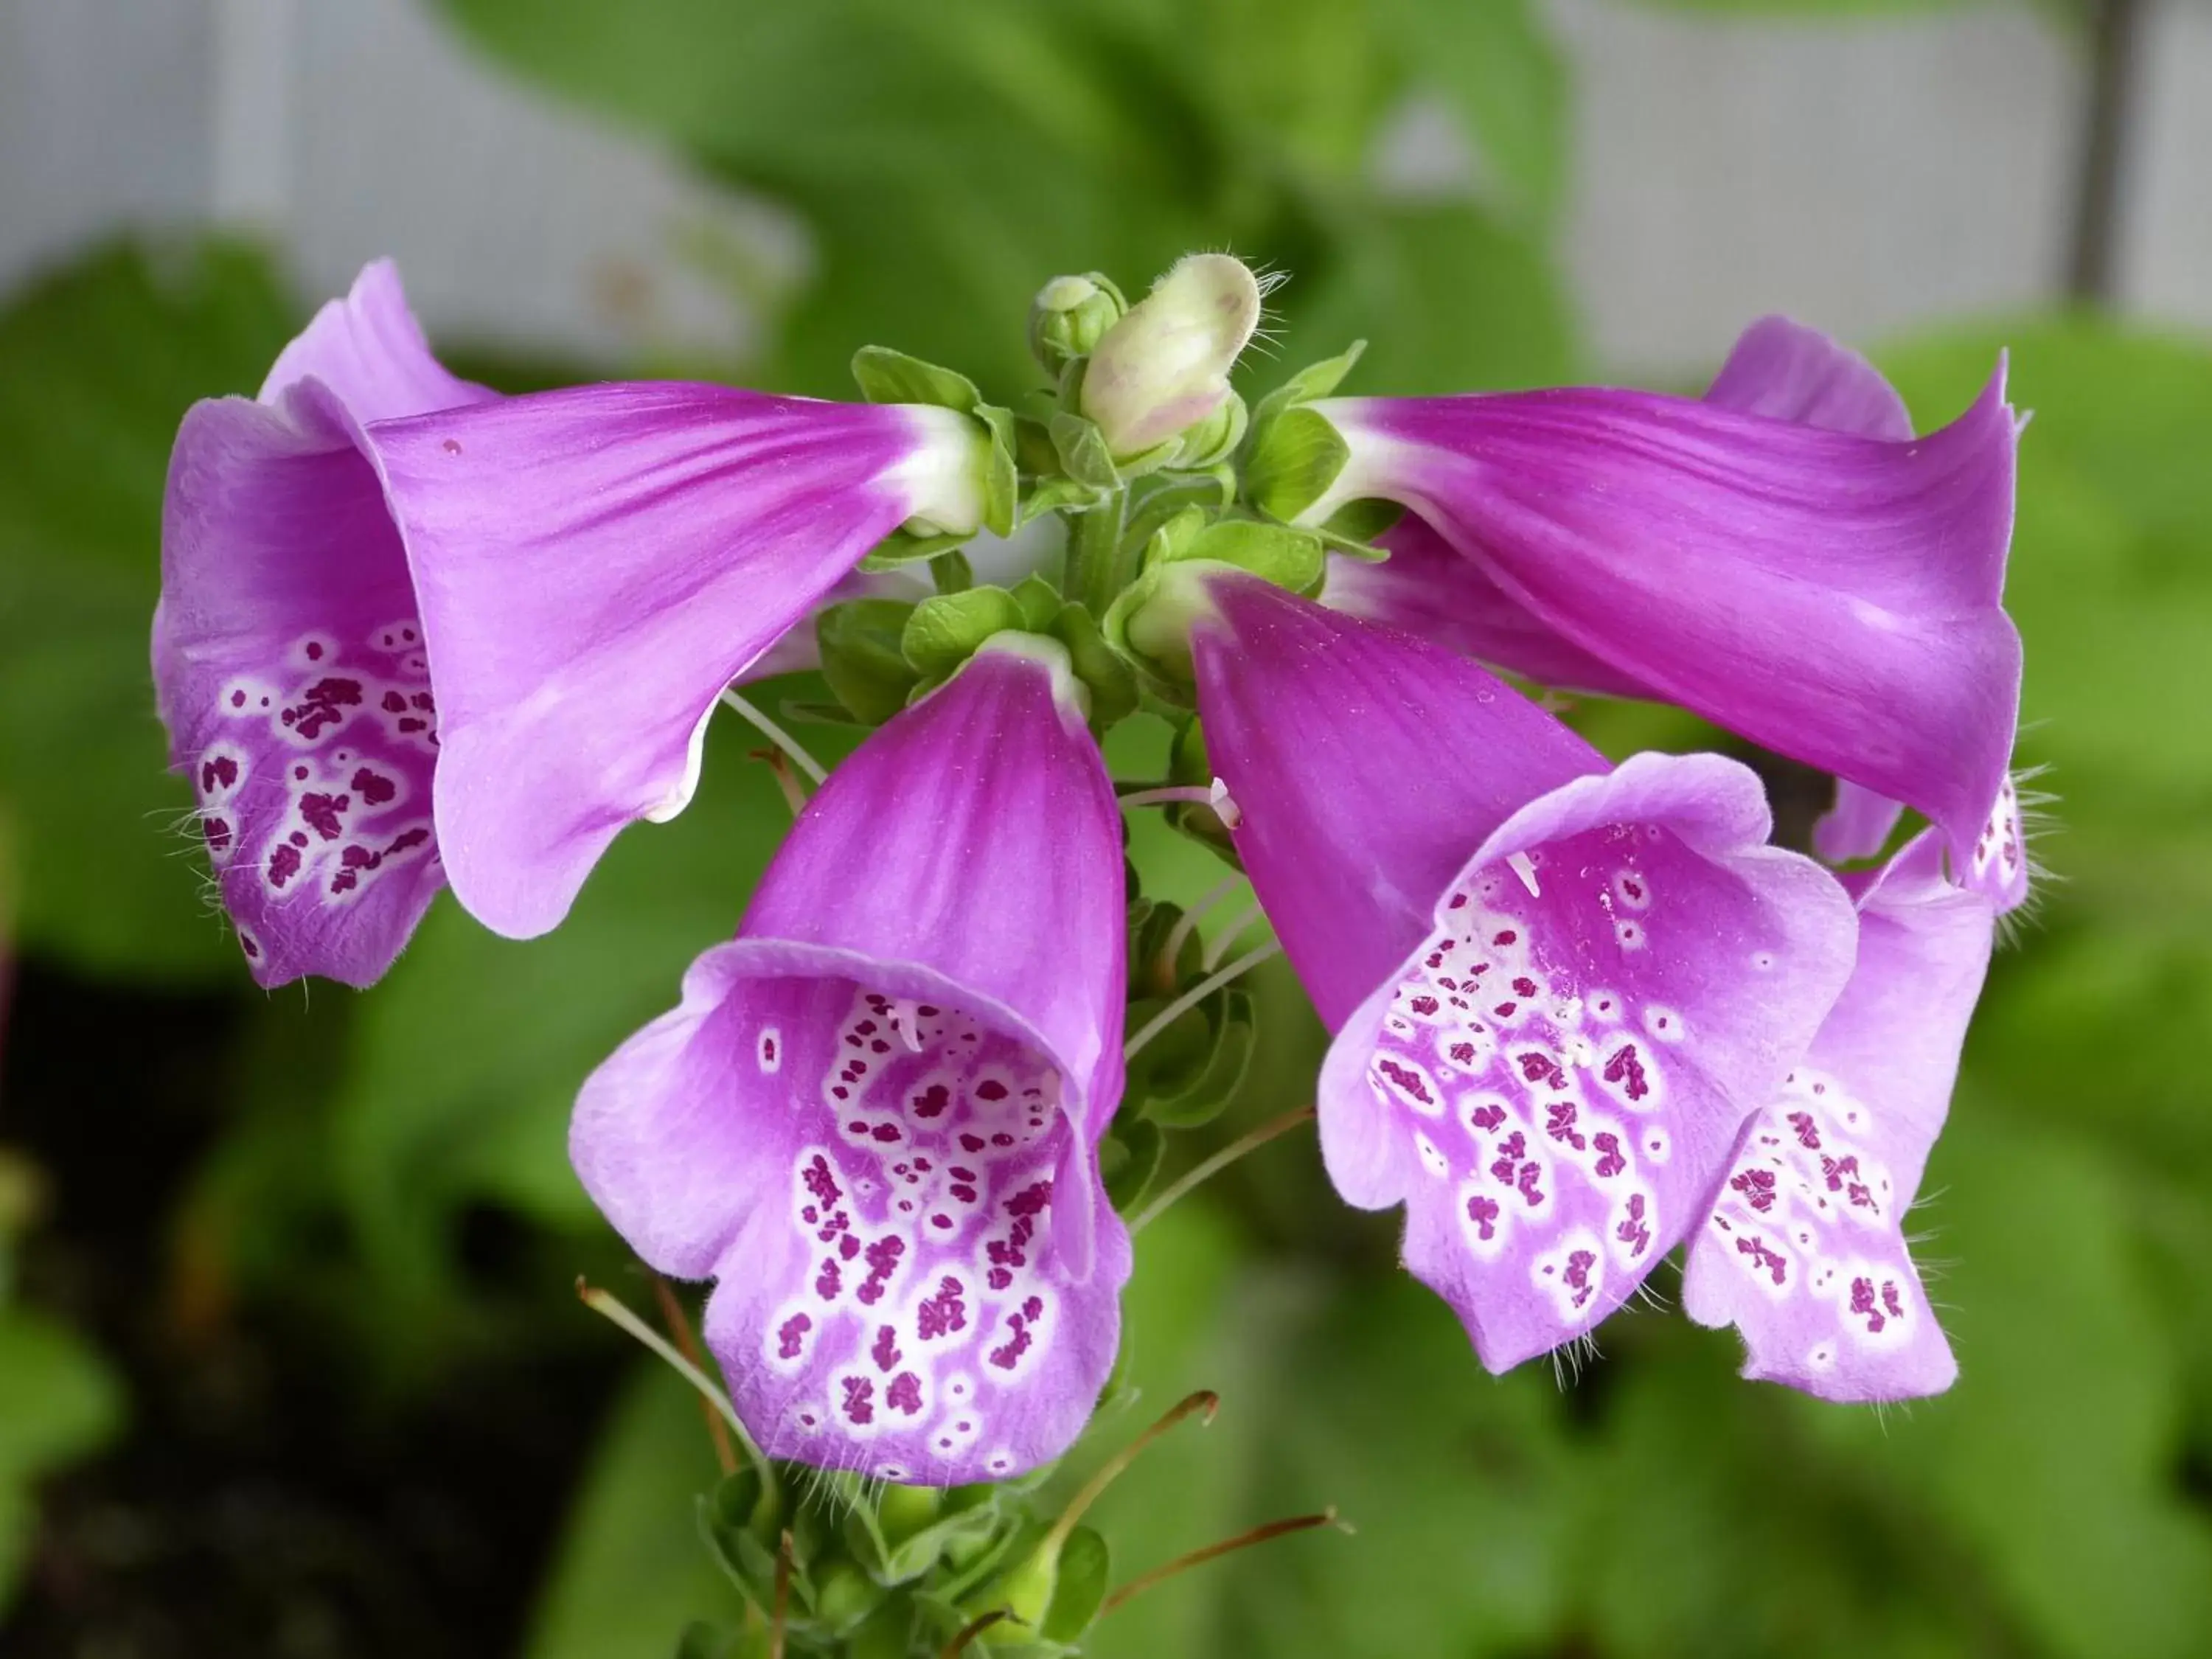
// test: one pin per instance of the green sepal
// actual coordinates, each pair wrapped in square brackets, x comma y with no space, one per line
[891,377]
[1086,1567]
[1147,461]
[1058,493]
[1033,447]
[1002,490]
[903,547]
[943,632]
[1039,602]
[1233,1037]
[1128,1160]
[845,1596]
[1314,381]
[1115,694]
[1294,460]
[864,659]
[1276,553]
[1083,453]
[1216,438]
[951,572]
[1164,495]
[1351,530]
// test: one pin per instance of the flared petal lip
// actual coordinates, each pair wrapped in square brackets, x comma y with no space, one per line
[1075,1224]
[1714,804]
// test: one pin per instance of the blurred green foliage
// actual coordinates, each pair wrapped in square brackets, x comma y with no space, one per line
[945,159]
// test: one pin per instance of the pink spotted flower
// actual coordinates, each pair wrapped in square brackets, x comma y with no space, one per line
[873,1118]
[411,633]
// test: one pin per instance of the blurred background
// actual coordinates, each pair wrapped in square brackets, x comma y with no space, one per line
[289,1363]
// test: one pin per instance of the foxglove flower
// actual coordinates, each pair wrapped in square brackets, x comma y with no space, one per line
[288,654]
[595,565]
[1557,989]
[1803,1250]
[1782,557]
[873,1119]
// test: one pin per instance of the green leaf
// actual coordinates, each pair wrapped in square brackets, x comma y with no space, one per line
[103,357]
[891,377]
[863,659]
[903,547]
[1112,687]
[630,1573]
[943,632]
[1314,381]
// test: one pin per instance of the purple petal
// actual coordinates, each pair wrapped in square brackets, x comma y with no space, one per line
[369,350]
[1803,1248]
[1788,371]
[1552,1081]
[1858,826]
[1429,588]
[1833,597]
[1365,764]
[873,1118]
[287,654]
[596,565]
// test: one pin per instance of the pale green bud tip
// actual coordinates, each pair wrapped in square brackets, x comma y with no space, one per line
[1171,601]
[1070,316]
[1164,366]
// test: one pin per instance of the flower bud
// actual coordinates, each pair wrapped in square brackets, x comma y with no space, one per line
[1069,316]
[1164,366]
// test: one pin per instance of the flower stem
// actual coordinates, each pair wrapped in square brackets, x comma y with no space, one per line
[1205,1403]
[1200,1173]
[1198,994]
[776,735]
[671,1315]
[1143,1582]
[1093,538]
[783,1619]
[611,1307]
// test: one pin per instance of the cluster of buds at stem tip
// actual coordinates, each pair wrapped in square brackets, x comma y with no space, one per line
[1157,371]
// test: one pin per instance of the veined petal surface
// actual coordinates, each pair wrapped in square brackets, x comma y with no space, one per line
[595,566]
[1803,1248]
[873,1119]
[288,654]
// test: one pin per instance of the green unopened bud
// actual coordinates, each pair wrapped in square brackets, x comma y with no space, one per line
[1069,316]
[1164,366]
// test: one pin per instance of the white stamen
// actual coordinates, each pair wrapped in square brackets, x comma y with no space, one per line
[1225,806]
[1169,795]
[1188,923]
[1525,867]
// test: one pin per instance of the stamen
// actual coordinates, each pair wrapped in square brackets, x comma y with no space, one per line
[1168,795]
[1205,1171]
[1143,1582]
[1525,867]
[776,735]
[1198,994]
[1224,806]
